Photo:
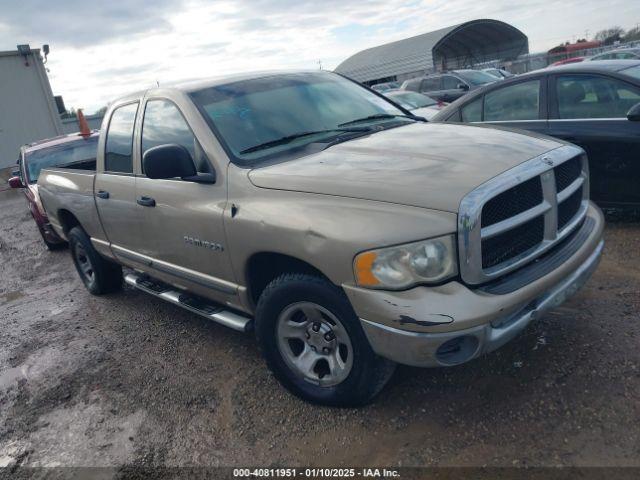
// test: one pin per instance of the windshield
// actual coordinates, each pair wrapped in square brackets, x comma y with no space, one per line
[412,100]
[475,77]
[262,111]
[632,72]
[69,154]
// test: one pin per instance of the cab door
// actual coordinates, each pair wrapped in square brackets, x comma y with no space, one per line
[590,110]
[182,221]
[114,187]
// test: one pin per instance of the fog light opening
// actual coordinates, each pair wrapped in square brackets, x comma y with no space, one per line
[457,350]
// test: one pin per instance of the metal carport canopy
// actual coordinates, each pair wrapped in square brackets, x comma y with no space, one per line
[473,41]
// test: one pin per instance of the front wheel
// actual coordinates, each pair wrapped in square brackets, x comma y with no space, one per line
[98,274]
[314,344]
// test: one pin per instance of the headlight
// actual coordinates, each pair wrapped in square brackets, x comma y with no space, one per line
[428,261]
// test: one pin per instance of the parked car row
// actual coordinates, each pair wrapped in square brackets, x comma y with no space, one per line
[618,54]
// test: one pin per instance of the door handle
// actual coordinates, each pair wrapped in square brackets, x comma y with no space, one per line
[102,194]
[146,201]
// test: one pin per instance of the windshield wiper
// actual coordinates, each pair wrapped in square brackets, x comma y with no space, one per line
[288,138]
[377,116]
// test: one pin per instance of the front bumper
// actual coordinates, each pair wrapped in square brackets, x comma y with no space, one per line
[452,324]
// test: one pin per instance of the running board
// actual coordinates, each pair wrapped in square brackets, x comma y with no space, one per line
[189,302]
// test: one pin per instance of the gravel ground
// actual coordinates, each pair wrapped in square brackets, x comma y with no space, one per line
[127,379]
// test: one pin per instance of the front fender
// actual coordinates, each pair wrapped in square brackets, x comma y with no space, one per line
[322,230]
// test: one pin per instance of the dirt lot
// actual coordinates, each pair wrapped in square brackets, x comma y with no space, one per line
[126,379]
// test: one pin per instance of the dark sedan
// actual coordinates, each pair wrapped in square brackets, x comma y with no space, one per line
[595,105]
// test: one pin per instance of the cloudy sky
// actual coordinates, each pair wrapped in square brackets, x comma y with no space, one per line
[103,49]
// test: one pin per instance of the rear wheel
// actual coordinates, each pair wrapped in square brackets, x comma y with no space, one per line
[314,344]
[98,274]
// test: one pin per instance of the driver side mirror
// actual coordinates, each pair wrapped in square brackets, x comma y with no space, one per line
[463,86]
[633,115]
[171,161]
[16,182]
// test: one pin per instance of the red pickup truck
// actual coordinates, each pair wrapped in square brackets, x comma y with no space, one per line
[75,150]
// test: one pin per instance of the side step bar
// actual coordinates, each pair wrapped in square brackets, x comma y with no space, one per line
[194,304]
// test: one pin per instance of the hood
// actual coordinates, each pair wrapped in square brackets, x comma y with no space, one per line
[430,165]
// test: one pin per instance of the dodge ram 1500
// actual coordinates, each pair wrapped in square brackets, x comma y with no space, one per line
[347,233]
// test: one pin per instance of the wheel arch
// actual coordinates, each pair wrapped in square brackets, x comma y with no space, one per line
[67,220]
[263,267]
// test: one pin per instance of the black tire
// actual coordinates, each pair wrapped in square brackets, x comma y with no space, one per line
[98,274]
[368,372]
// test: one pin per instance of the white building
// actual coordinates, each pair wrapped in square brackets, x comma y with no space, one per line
[28,110]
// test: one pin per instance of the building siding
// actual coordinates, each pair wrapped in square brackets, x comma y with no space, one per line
[27,108]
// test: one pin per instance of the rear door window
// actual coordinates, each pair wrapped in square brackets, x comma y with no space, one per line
[592,96]
[119,143]
[514,102]
[163,123]
[430,84]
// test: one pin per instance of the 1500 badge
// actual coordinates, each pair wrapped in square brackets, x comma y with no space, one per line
[203,243]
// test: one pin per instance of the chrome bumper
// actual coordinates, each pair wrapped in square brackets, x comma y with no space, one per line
[429,349]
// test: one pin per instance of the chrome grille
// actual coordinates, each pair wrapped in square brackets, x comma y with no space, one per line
[568,208]
[512,243]
[513,201]
[518,215]
[567,172]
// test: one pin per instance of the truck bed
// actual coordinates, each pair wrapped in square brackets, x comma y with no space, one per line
[66,191]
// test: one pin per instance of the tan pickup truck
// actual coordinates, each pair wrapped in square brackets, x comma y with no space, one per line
[349,234]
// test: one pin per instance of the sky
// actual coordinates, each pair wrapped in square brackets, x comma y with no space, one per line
[100,50]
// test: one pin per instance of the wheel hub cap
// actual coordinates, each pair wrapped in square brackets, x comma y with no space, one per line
[322,341]
[314,344]
[84,263]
